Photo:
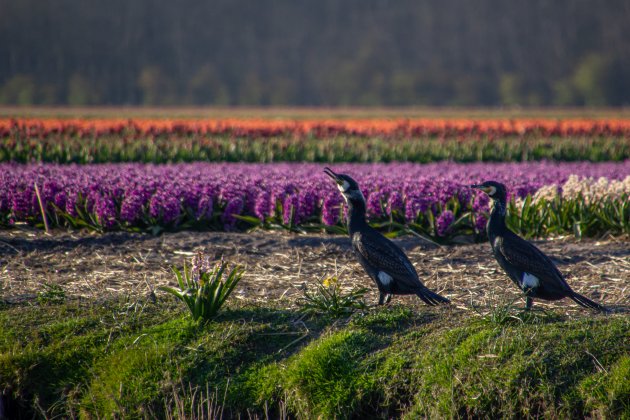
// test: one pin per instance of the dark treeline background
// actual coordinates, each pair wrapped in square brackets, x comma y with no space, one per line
[315,52]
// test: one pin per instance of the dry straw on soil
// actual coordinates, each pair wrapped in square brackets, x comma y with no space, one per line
[280,266]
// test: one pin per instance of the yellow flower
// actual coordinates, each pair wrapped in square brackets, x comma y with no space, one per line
[330,282]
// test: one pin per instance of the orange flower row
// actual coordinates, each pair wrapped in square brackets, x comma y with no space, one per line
[34,127]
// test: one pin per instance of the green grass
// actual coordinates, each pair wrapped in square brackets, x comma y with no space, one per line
[136,359]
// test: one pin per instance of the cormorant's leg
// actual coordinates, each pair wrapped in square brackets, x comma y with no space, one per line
[381,298]
[528,303]
[388,297]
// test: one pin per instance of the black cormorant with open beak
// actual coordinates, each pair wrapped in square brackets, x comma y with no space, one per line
[384,262]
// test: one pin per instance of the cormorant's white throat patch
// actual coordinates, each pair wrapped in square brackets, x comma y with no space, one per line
[384,278]
[344,187]
[530,281]
[491,190]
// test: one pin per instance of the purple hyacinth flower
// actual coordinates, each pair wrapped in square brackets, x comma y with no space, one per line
[480,203]
[394,203]
[444,222]
[190,199]
[5,201]
[164,207]
[60,200]
[251,194]
[155,206]
[464,195]
[22,203]
[233,207]
[480,223]
[171,208]
[331,210]
[91,198]
[373,204]
[200,264]
[411,209]
[132,206]
[306,205]
[49,190]
[72,199]
[290,209]
[204,208]
[105,211]
[262,205]
[415,205]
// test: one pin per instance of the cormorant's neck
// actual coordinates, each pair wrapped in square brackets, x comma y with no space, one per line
[497,216]
[356,216]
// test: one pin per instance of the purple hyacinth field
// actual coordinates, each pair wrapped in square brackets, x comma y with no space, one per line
[218,196]
[87,251]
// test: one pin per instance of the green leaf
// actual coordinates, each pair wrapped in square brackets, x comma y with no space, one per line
[249,219]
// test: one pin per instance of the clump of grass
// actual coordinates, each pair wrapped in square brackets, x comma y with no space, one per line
[479,370]
[329,299]
[327,378]
[607,393]
[388,317]
[135,372]
[507,312]
[52,294]
[189,402]
[203,288]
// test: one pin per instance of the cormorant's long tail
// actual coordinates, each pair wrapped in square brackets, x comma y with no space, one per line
[431,298]
[587,303]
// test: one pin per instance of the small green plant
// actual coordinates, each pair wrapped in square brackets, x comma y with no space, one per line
[52,294]
[504,313]
[329,299]
[203,288]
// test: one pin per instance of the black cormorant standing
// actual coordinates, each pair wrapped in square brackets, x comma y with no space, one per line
[531,270]
[384,262]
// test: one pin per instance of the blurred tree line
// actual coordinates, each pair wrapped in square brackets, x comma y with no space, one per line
[317,52]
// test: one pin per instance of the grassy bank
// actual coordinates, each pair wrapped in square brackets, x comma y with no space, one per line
[144,359]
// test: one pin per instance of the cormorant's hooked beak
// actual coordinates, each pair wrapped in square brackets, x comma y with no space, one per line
[484,188]
[333,175]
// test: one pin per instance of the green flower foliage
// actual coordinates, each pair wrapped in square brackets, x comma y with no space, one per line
[331,300]
[163,149]
[205,290]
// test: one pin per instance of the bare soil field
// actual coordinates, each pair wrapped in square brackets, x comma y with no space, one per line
[278,266]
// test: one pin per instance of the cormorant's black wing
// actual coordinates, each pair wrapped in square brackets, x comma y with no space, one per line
[384,255]
[527,258]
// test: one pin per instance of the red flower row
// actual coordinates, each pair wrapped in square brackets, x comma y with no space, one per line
[320,128]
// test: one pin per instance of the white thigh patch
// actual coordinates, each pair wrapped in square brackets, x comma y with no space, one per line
[384,278]
[530,281]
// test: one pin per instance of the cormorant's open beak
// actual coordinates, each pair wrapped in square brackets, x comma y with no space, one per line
[333,175]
